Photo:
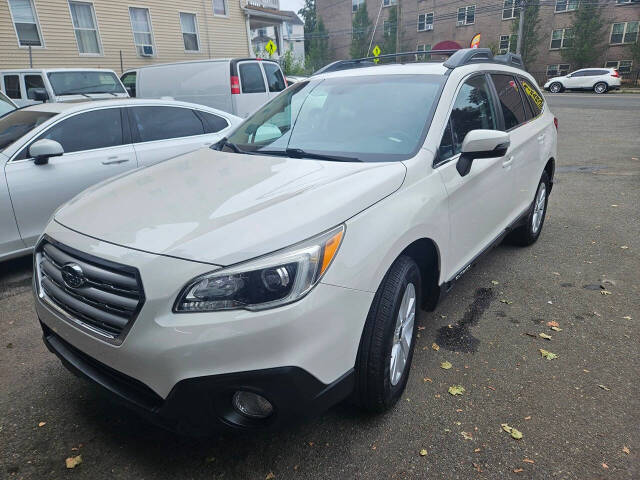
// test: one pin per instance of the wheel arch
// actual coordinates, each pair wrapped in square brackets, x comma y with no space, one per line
[425,252]
[550,168]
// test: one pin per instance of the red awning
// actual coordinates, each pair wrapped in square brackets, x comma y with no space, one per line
[446,45]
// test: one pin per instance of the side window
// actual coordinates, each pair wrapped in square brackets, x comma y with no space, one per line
[213,123]
[472,110]
[160,123]
[12,86]
[275,80]
[129,82]
[251,78]
[532,95]
[510,100]
[31,82]
[87,131]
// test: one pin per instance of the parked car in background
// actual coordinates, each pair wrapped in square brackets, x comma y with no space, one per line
[6,105]
[600,80]
[238,86]
[34,85]
[50,152]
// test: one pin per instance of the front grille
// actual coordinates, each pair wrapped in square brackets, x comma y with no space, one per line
[101,295]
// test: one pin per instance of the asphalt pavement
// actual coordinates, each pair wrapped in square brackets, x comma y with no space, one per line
[579,414]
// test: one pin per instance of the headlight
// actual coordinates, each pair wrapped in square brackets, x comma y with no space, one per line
[266,282]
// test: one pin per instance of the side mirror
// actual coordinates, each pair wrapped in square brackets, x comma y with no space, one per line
[42,150]
[481,144]
[38,94]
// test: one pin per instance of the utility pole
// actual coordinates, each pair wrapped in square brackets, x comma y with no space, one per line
[520,27]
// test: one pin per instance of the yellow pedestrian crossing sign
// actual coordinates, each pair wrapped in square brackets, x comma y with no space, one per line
[376,51]
[271,47]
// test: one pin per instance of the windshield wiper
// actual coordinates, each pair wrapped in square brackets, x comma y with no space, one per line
[226,143]
[300,153]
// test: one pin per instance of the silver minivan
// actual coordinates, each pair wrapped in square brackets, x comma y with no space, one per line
[238,85]
[33,85]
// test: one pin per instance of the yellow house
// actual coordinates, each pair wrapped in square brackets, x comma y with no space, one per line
[118,34]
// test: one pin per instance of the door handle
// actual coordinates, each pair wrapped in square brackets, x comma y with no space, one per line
[114,161]
[507,163]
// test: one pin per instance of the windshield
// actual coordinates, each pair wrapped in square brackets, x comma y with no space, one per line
[70,83]
[16,124]
[5,105]
[368,118]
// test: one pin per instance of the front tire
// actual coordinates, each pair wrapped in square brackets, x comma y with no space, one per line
[555,87]
[387,343]
[600,87]
[528,233]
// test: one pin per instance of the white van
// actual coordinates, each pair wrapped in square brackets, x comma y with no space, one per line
[33,85]
[238,85]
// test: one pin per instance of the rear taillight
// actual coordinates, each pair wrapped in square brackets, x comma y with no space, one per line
[235,85]
[555,122]
[615,74]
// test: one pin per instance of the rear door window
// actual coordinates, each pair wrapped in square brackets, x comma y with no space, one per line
[213,123]
[31,82]
[510,100]
[275,80]
[532,95]
[251,78]
[12,86]
[161,123]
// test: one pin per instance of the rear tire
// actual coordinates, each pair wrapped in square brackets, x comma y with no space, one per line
[600,87]
[556,87]
[387,343]
[528,233]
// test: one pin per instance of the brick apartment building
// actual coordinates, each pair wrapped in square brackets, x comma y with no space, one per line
[433,24]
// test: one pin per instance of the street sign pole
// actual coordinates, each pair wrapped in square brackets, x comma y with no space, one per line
[520,27]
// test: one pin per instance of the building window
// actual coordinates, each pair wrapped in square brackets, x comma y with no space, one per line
[510,9]
[388,3]
[220,7]
[566,5]
[189,25]
[423,48]
[425,22]
[289,28]
[142,33]
[507,43]
[558,69]
[561,38]
[25,21]
[467,15]
[626,32]
[355,4]
[85,27]
[623,66]
[387,28]
[625,2]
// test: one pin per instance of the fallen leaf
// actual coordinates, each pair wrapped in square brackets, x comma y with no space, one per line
[476,450]
[528,417]
[9,345]
[435,346]
[626,450]
[627,318]
[495,282]
[605,466]
[604,388]
[597,314]
[446,365]
[517,434]
[548,355]
[556,273]
[456,390]
[552,324]
[423,452]
[491,388]
[528,460]
[373,447]
[624,247]
[508,302]
[467,435]
[42,424]
[427,379]
[605,292]
[73,462]
[614,205]
[421,328]
[518,470]
[477,467]
[556,329]
[545,336]
[270,476]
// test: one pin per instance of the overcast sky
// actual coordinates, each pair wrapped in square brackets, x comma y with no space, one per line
[294,5]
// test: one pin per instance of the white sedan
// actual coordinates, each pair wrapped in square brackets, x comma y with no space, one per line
[50,152]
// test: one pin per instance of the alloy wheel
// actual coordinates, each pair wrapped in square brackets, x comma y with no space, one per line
[403,334]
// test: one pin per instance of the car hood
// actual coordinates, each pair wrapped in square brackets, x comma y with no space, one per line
[223,208]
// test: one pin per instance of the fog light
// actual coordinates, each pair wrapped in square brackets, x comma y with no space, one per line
[251,404]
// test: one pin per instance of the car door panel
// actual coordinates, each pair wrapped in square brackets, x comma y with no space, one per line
[10,240]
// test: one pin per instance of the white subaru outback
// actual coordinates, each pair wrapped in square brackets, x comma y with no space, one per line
[281,271]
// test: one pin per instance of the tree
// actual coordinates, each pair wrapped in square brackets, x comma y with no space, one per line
[315,37]
[361,29]
[530,33]
[634,51]
[585,46]
[389,35]
[308,14]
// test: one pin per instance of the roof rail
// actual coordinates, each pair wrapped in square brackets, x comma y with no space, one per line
[510,59]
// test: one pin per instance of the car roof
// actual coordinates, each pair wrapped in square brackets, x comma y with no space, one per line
[204,60]
[42,70]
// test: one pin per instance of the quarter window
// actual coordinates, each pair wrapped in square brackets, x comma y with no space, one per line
[467,15]
[189,26]
[561,38]
[425,22]
[566,5]
[83,17]
[251,78]
[533,96]
[100,129]
[510,100]
[275,80]
[626,32]
[31,82]
[472,110]
[12,86]
[510,9]
[142,33]
[220,7]
[161,123]
[213,123]
[25,22]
